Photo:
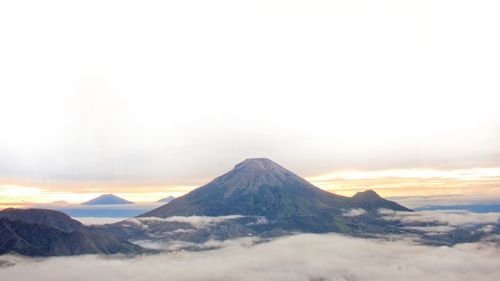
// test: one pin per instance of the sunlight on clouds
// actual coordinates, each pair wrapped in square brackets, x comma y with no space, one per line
[15,191]
[23,196]
[410,182]
[470,174]
[393,182]
[16,195]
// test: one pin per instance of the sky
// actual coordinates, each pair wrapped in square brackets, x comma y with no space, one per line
[156,98]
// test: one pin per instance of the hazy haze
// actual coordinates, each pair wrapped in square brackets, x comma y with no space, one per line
[103,93]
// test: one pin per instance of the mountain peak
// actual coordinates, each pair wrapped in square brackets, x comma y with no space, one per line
[107,199]
[259,163]
[253,173]
[366,195]
[371,200]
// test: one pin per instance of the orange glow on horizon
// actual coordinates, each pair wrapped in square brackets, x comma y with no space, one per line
[19,196]
[388,183]
[412,182]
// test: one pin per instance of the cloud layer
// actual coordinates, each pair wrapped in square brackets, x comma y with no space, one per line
[453,218]
[195,221]
[300,257]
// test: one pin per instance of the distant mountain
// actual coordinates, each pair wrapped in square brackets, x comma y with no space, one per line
[38,232]
[269,201]
[166,199]
[107,199]
[370,200]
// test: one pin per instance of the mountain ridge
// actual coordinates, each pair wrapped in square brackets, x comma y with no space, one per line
[40,232]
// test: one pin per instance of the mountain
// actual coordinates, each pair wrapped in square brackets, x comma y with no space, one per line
[38,232]
[49,218]
[107,199]
[370,200]
[259,197]
[255,187]
[166,199]
[260,187]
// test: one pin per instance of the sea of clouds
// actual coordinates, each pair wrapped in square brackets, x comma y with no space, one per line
[298,257]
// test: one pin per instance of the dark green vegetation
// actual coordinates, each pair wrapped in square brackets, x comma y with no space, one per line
[38,232]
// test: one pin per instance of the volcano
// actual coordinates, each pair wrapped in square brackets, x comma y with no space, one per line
[259,187]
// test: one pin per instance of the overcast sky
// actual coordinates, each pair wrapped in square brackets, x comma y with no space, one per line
[176,92]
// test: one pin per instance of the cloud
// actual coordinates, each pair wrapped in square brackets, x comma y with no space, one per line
[117,211]
[300,257]
[195,221]
[94,107]
[488,228]
[438,229]
[481,183]
[97,221]
[478,196]
[452,218]
[353,212]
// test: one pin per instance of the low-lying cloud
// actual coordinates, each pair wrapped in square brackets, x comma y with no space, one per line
[300,257]
[453,218]
[353,212]
[194,221]
[440,222]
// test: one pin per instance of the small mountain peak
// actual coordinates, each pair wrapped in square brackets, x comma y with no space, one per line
[107,199]
[260,165]
[366,195]
[254,168]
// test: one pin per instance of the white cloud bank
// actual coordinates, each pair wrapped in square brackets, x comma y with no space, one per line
[98,221]
[452,217]
[195,221]
[447,220]
[353,213]
[300,257]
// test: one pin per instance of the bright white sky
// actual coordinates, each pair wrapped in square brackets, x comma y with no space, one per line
[173,93]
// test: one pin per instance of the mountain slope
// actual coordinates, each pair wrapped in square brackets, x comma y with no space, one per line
[107,199]
[166,199]
[37,232]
